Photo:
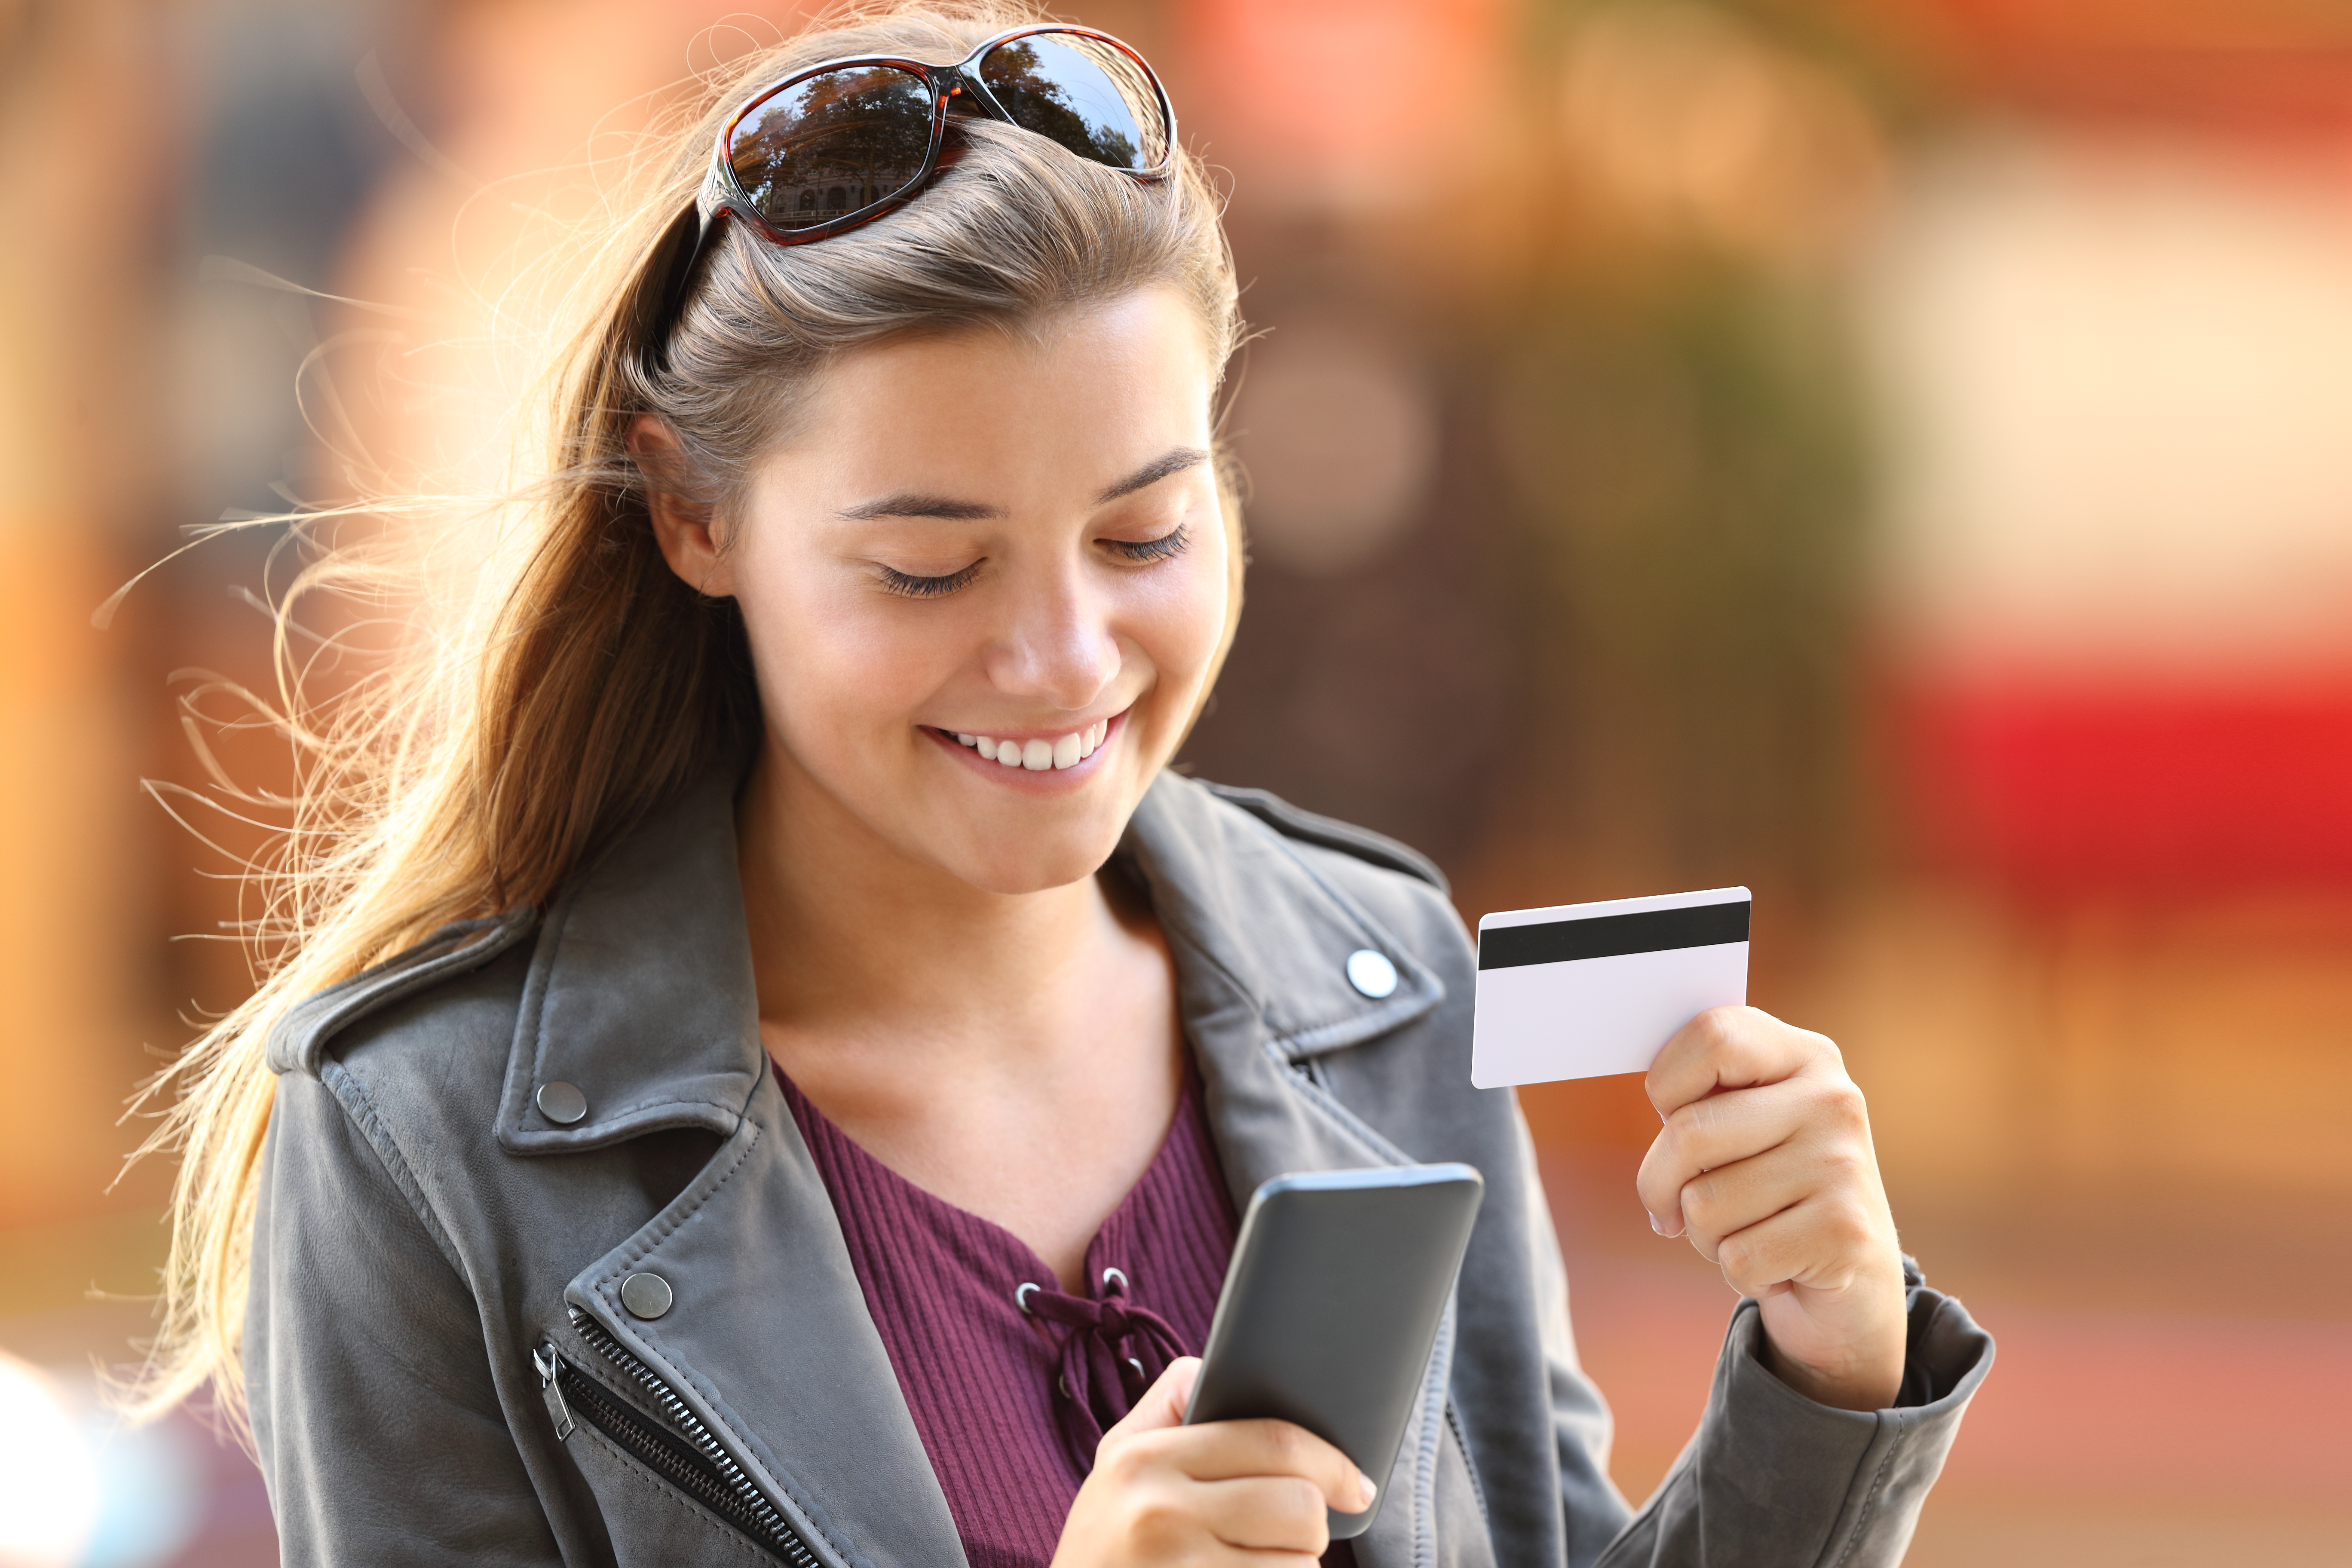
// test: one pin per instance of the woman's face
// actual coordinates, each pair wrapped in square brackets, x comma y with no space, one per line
[981,542]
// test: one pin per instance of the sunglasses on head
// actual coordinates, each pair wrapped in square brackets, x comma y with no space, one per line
[843,143]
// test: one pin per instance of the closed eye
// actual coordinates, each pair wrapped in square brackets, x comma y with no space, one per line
[907,585]
[1142,551]
[1171,543]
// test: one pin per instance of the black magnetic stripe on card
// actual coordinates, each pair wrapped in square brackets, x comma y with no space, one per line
[1614,936]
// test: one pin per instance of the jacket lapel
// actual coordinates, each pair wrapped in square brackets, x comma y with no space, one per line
[769,1339]
[1262,943]
[640,995]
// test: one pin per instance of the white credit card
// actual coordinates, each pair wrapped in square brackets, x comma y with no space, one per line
[1581,990]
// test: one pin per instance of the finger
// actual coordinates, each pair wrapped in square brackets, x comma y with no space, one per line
[1829,1153]
[1729,1048]
[1823,1243]
[1162,1405]
[1823,1111]
[1229,1451]
[1725,1202]
[1268,1513]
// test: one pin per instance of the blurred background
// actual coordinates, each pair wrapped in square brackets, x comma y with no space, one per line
[1894,454]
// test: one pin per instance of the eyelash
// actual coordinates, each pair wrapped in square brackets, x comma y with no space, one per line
[909,586]
[1171,543]
[1141,552]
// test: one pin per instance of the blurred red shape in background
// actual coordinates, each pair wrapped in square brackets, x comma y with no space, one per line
[2067,788]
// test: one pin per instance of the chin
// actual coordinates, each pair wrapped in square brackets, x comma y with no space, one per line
[1044,862]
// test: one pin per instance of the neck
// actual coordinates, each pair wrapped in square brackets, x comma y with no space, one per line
[854,942]
[1017,1055]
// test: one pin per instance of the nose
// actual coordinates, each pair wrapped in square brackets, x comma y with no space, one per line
[1060,650]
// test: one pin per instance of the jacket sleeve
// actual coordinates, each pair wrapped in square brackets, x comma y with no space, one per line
[378,1425]
[1771,1478]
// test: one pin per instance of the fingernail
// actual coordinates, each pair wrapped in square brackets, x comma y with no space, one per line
[1368,1490]
[1656,1227]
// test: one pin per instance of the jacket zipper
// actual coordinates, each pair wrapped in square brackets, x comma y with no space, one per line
[685,1455]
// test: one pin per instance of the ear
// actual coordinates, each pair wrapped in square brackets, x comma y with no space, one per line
[682,524]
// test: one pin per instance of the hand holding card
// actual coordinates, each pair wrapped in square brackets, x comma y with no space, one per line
[1764,1159]
[1581,990]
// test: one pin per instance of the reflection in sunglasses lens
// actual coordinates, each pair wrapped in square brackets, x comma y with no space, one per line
[832,145]
[1086,95]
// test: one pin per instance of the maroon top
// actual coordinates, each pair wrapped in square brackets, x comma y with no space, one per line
[981,1370]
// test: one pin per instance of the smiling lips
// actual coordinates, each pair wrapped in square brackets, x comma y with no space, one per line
[1037,756]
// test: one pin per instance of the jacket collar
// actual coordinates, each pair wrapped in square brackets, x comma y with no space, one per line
[640,992]
[1237,897]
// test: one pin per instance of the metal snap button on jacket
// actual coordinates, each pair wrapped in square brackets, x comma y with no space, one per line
[1371,973]
[645,1295]
[561,1103]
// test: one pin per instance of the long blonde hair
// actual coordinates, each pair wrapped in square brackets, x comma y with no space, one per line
[474,772]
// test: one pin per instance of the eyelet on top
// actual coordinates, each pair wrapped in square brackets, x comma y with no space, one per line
[1020,1296]
[1123,1282]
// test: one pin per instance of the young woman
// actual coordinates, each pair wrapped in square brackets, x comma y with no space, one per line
[774,1070]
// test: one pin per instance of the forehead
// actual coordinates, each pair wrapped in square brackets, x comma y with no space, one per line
[1086,393]
[1036,422]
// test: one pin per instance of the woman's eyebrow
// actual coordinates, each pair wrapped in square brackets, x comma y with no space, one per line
[1173,462]
[909,504]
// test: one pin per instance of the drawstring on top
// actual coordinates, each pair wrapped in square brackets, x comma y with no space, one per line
[1112,1352]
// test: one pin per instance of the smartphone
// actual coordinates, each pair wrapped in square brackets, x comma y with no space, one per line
[1331,1305]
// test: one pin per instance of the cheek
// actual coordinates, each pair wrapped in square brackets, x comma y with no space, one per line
[829,660]
[1188,616]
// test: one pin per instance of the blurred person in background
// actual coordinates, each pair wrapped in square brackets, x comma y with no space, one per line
[772,1055]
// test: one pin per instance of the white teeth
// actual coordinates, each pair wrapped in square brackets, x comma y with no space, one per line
[1067,751]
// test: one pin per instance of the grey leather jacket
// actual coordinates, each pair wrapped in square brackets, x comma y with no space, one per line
[487,1326]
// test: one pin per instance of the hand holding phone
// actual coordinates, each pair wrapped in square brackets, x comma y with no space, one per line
[1253,1493]
[1331,1307]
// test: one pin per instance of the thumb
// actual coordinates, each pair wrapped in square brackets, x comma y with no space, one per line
[1162,1405]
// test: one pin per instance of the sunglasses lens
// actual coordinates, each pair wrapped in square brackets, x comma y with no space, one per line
[1080,93]
[832,145]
